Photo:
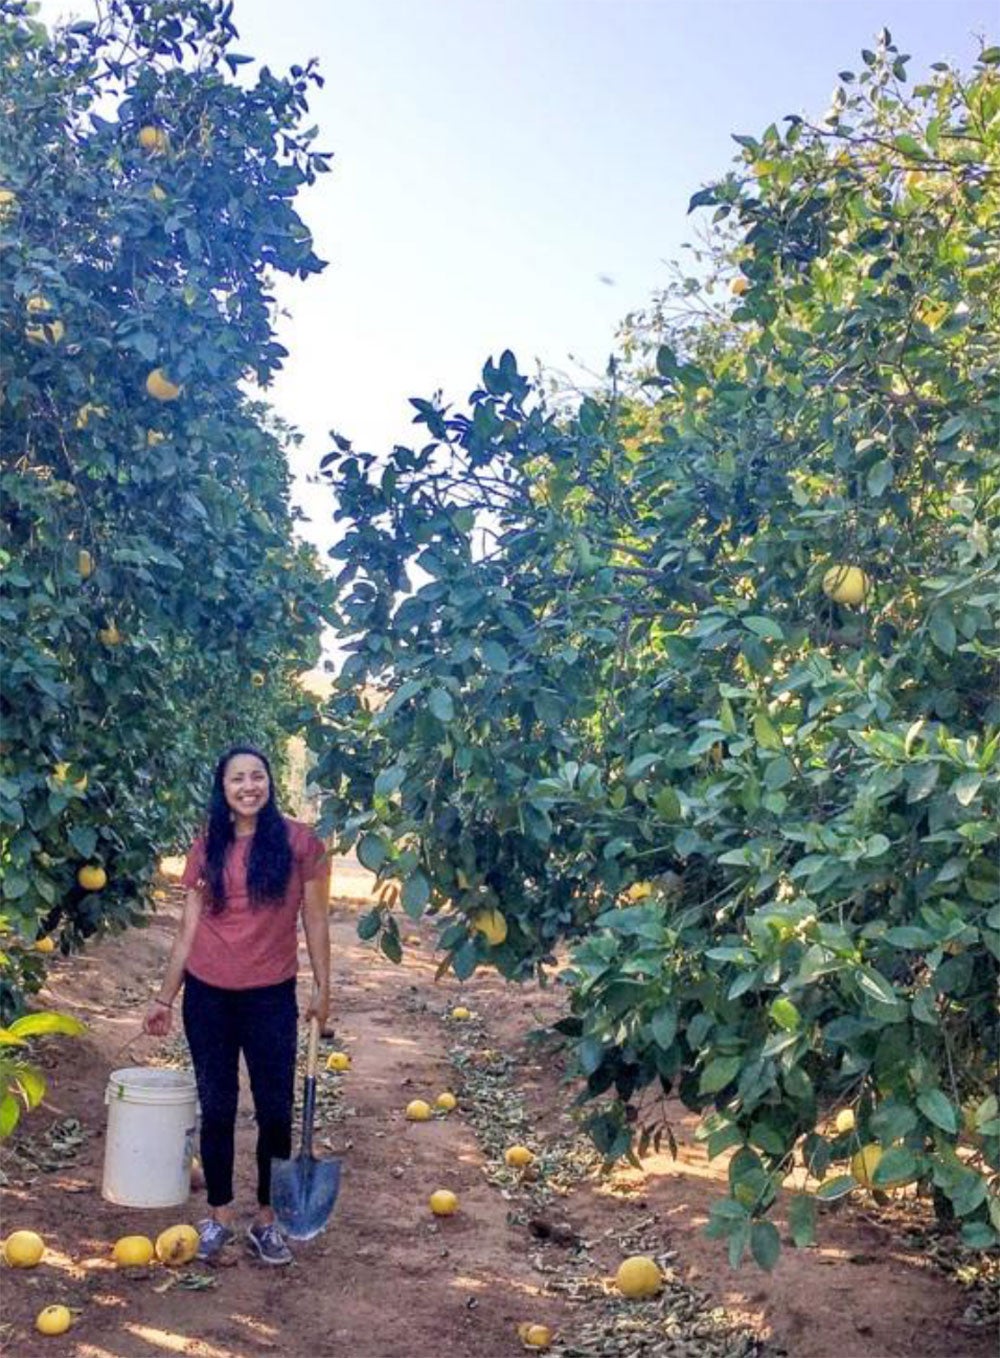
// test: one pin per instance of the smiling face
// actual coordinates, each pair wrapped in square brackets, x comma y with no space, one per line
[246,785]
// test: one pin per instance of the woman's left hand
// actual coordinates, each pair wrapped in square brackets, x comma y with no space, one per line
[319,1007]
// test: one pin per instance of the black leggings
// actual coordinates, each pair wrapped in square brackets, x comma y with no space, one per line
[218,1025]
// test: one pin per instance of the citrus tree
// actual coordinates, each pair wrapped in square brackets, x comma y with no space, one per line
[700,674]
[155,603]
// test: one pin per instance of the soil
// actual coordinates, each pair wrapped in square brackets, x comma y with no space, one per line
[387,1279]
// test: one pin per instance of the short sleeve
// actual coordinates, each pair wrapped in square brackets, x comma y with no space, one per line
[310,853]
[194,868]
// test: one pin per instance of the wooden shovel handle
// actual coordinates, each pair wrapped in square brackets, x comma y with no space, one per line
[312,1055]
[309,1096]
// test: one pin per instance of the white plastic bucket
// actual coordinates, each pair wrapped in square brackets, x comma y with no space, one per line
[152,1120]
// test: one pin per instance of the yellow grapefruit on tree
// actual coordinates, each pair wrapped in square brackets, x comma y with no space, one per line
[154,140]
[92,877]
[492,924]
[865,1162]
[160,387]
[846,585]
[844,1122]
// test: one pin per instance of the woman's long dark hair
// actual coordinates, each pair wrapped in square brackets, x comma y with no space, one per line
[269,862]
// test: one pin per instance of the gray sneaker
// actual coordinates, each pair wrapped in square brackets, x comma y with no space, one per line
[268,1244]
[213,1237]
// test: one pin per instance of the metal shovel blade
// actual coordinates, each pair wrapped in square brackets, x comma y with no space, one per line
[303,1192]
[304,1189]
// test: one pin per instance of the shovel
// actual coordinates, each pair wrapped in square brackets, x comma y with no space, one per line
[304,1189]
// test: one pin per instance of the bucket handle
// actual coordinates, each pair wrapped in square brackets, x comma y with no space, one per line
[115,1058]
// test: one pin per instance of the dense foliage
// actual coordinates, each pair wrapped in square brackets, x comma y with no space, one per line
[613,700]
[155,604]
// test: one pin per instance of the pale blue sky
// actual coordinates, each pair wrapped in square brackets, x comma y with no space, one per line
[494,159]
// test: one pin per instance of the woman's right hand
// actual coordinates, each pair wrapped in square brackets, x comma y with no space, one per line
[158,1019]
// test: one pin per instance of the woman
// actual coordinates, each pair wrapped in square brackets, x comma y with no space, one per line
[248,876]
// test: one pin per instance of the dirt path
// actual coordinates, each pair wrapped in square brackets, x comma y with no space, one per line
[388,1280]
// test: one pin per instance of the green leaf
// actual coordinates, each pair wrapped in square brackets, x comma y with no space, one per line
[778,773]
[31,1083]
[765,733]
[921,781]
[372,851]
[908,936]
[15,884]
[880,478]
[369,924]
[874,984]
[838,1187]
[765,1244]
[893,1120]
[638,766]
[897,1166]
[537,822]
[390,945]
[10,1113]
[802,1219]
[767,1138]
[942,631]
[763,627]
[951,428]
[785,1014]
[416,894]
[440,703]
[719,1073]
[966,788]
[35,1025]
[739,1239]
[495,658]
[663,1026]
[723,1140]
[668,804]
[403,694]
[389,780]
[936,1108]
[84,839]
[590,1053]
[465,961]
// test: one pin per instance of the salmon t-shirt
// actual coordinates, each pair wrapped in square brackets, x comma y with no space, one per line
[242,947]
